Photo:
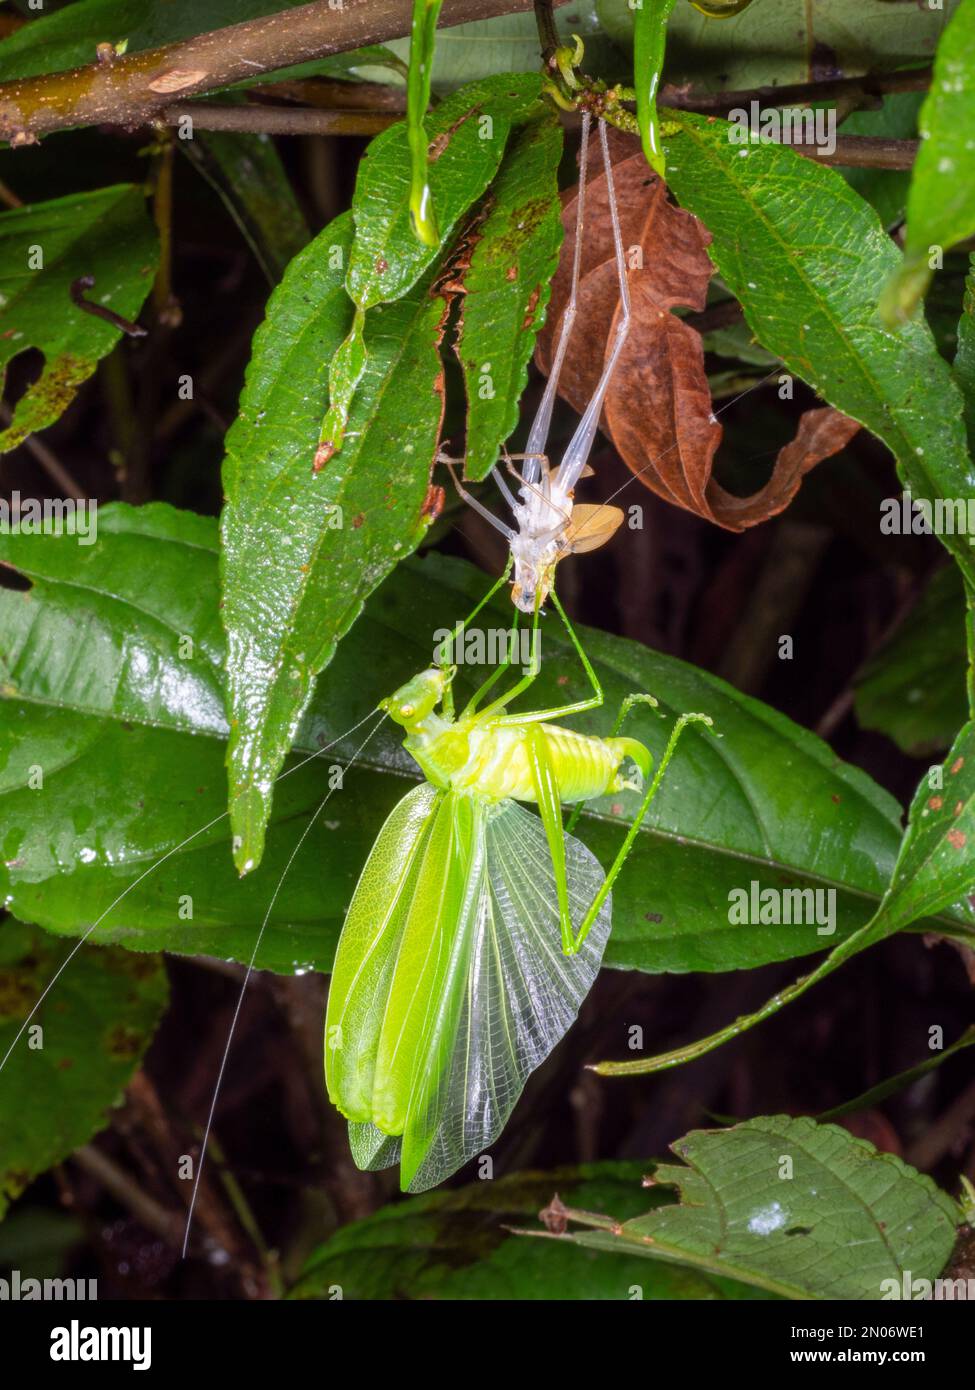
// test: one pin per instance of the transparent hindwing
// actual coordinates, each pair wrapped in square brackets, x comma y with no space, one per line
[505,996]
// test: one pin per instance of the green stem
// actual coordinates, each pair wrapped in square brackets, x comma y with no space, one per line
[649,41]
[423,41]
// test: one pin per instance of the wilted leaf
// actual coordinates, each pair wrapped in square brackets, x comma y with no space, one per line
[806,258]
[841,1223]
[58,1084]
[44,249]
[658,410]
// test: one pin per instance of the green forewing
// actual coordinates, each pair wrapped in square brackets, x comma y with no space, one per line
[460,941]
[370,946]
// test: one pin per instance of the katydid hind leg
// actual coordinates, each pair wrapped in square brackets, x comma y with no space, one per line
[624,851]
[550,810]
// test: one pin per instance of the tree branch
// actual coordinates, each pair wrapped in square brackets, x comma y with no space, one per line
[136,89]
[852,151]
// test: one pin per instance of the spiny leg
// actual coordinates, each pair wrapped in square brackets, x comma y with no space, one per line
[631,834]
[538,434]
[577,452]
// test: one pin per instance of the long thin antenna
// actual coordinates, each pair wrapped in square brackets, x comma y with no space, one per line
[246,981]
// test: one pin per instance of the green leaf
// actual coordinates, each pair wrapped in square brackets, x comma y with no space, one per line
[456,1245]
[130,740]
[936,864]
[913,689]
[846,1221]
[247,174]
[43,250]
[59,1083]
[468,132]
[895,119]
[964,364]
[935,870]
[302,550]
[869,1099]
[941,202]
[807,258]
[776,42]
[507,286]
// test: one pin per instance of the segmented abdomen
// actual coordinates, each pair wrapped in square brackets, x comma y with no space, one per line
[500,765]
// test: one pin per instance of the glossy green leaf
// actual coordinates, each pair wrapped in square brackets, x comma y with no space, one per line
[247,174]
[112,672]
[457,1245]
[303,549]
[941,202]
[936,864]
[774,42]
[843,1221]
[506,288]
[83,1044]
[43,250]
[807,258]
[467,132]
[913,688]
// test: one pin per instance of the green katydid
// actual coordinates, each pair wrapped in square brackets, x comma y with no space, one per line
[477,928]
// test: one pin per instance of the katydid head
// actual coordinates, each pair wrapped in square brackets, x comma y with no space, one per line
[415,701]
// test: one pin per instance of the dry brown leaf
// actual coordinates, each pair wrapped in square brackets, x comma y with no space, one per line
[658,409]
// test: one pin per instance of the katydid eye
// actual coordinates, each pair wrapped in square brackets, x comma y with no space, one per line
[408,710]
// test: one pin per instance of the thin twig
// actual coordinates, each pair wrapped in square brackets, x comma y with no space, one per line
[796,94]
[124,1188]
[548,35]
[134,90]
[48,460]
[279,120]
[853,151]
